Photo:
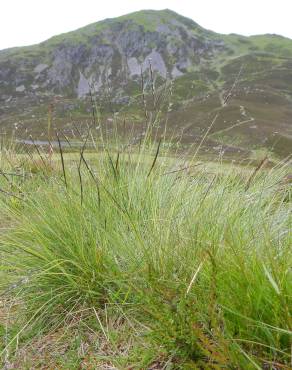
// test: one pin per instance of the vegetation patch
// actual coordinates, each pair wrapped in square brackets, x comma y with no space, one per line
[134,257]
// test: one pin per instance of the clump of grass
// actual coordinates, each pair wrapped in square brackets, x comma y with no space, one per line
[202,261]
[196,265]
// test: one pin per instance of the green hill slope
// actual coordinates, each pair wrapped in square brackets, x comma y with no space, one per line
[107,58]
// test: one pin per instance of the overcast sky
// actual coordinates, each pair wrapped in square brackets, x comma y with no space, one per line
[25,22]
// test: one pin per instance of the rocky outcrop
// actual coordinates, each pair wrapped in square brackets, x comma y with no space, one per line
[108,58]
[112,51]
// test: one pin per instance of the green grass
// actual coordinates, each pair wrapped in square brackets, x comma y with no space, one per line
[180,268]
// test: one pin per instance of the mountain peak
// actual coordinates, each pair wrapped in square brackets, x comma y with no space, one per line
[150,17]
[107,57]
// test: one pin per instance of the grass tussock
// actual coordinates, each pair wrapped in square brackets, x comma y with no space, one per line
[196,266]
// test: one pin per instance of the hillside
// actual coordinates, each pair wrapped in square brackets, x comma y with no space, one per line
[108,56]
[146,199]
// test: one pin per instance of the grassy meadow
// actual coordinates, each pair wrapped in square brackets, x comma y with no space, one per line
[136,257]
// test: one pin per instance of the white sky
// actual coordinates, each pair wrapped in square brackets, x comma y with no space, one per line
[25,22]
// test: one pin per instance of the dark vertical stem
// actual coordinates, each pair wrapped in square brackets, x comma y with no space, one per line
[143,94]
[81,184]
[62,160]
[155,158]
[152,85]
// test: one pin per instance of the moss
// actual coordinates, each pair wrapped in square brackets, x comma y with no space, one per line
[132,88]
[188,86]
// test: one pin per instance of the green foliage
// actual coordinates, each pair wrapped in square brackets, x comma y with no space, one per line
[275,44]
[201,261]
[188,86]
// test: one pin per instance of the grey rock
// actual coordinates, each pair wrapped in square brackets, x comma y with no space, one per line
[176,72]
[60,72]
[83,88]
[163,28]
[157,63]
[20,88]
[134,66]
[40,68]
